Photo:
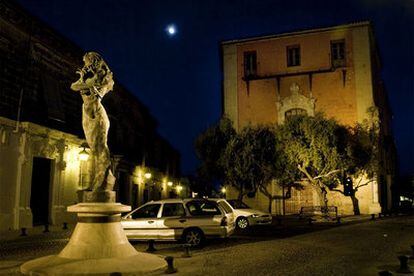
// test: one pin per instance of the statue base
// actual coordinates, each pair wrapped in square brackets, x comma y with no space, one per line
[96,196]
[98,245]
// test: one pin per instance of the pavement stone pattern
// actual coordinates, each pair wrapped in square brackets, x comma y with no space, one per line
[358,246]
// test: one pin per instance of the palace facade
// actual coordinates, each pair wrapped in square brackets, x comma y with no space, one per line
[336,71]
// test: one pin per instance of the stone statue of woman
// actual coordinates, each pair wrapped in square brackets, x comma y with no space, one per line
[94,83]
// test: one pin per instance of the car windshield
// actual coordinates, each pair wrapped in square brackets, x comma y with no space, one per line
[237,204]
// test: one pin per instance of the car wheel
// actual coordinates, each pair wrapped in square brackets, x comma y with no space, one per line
[193,237]
[242,223]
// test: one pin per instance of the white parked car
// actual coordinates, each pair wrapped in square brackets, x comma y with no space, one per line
[246,216]
[190,220]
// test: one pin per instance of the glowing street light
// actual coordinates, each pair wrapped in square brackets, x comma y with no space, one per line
[83,154]
[223,190]
[147,175]
[179,188]
[169,183]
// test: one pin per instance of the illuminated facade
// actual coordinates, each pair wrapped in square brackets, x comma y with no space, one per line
[332,70]
[41,132]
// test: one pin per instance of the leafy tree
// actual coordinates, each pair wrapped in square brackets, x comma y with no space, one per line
[200,185]
[317,147]
[362,159]
[210,146]
[250,160]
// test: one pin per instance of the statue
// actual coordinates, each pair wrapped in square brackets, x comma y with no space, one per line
[94,83]
[98,244]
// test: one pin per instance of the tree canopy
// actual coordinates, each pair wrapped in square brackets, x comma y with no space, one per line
[250,159]
[210,146]
[317,147]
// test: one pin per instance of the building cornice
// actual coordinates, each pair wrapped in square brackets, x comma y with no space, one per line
[296,33]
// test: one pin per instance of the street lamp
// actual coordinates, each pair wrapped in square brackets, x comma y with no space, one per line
[147,175]
[223,190]
[83,157]
[169,183]
[83,154]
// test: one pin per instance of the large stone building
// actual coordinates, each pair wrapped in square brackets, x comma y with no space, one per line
[41,132]
[333,70]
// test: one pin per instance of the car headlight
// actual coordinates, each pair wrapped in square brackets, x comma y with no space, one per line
[255,216]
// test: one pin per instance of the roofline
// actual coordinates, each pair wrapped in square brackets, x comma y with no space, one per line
[300,32]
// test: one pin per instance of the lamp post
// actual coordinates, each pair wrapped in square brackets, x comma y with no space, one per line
[179,188]
[83,157]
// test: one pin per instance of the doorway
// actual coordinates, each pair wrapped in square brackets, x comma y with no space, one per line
[40,190]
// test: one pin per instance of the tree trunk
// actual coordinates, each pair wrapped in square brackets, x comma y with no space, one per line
[240,197]
[323,200]
[355,204]
[270,204]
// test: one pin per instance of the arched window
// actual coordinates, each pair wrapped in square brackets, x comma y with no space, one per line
[295,112]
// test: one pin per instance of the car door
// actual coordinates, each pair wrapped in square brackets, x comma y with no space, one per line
[142,224]
[206,215]
[172,222]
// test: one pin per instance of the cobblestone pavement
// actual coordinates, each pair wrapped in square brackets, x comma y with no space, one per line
[15,250]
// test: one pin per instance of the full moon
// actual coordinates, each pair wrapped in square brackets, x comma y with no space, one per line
[171,30]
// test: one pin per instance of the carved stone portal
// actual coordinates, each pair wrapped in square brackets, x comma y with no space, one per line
[295,100]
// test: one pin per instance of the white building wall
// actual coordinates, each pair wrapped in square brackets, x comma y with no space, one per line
[18,147]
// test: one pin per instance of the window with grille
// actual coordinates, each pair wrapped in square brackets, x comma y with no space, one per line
[250,64]
[295,112]
[338,53]
[293,55]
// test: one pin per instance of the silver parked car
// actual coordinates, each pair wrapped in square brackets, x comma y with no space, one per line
[190,220]
[246,216]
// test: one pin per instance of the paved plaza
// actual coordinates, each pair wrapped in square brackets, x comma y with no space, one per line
[358,246]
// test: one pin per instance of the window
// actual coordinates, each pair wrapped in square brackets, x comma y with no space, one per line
[250,64]
[225,206]
[293,55]
[236,204]
[338,53]
[295,112]
[203,208]
[147,211]
[173,210]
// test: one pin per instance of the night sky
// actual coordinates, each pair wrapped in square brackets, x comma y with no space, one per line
[179,77]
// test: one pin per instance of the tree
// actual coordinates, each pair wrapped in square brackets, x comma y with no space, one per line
[210,146]
[362,163]
[250,160]
[317,148]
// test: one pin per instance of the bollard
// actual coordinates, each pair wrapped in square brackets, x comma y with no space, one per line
[23,232]
[151,247]
[338,220]
[279,221]
[170,262]
[46,228]
[65,226]
[404,268]
[412,249]
[187,252]
[384,273]
[372,216]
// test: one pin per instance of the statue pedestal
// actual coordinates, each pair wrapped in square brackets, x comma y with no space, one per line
[98,245]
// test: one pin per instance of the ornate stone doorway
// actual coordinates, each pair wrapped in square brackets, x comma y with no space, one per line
[40,190]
